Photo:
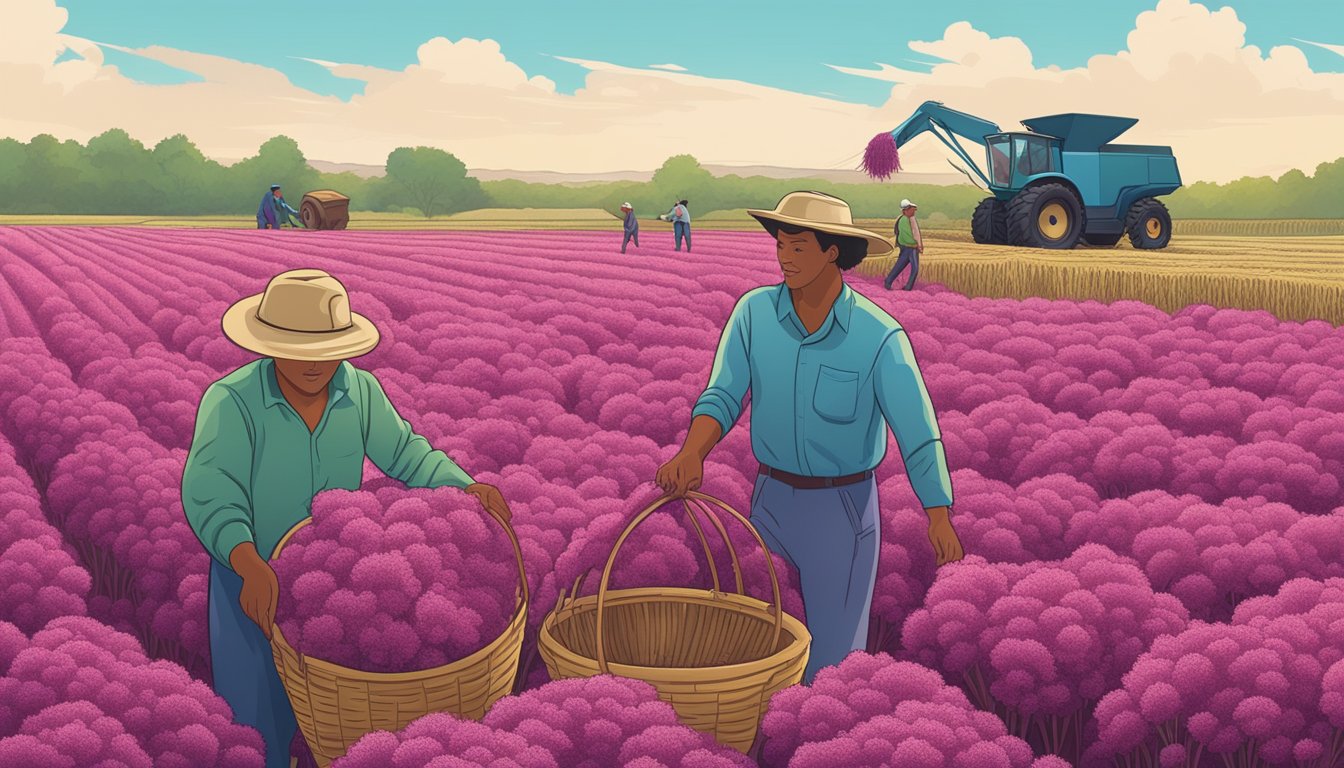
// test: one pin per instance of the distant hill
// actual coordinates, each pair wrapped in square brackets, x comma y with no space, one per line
[551,177]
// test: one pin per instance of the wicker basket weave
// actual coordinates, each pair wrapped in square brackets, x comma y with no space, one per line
[336,705]
[716,657]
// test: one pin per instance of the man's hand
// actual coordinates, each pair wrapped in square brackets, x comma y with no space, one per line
[946,545]
[681,474]
[491,499]
[261,590]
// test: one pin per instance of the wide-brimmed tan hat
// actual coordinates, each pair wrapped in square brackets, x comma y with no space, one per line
[823,213]
[304,314]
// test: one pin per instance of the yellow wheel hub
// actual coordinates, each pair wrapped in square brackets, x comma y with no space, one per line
[1053,221]
[1154,227]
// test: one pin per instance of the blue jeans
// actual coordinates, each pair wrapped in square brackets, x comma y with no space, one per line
[244,669]
[631,235]
[832,537]
[681,229]
[908,256]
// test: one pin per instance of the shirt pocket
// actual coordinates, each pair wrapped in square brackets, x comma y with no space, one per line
[837,394]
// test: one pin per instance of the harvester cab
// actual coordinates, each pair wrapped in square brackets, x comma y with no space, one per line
[1056,183]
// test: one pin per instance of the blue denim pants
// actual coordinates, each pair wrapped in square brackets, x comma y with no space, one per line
[832,537]
[681,229]
[631,235]
[244,669]
[908,256]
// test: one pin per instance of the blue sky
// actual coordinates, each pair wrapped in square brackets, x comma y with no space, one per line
[780,43]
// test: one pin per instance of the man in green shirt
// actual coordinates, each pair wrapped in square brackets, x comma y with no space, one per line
[270,436]
[911,244]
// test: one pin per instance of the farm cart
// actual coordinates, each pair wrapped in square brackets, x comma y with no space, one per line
[325,209]
[1056,183]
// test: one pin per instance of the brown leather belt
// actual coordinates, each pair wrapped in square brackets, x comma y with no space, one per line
[805,483]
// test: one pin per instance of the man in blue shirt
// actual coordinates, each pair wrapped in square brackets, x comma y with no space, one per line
[273,210]
[828,371]
[631,226]
[680,216]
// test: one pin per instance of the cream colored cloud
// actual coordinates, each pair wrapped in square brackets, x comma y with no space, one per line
[1227,108]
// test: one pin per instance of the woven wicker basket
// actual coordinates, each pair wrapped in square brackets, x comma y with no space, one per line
[336,705]
[716,657]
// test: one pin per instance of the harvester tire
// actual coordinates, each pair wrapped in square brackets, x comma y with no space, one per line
[1103,241]
[989,223]
[312,215]
[1148,224]
[1045,216]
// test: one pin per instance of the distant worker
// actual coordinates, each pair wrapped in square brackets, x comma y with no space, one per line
[631,226]
[911,244]
[273,210]
[680,216]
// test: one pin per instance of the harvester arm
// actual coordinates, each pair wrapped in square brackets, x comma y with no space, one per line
[880,159]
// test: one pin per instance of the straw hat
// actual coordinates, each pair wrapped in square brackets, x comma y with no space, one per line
[304,314]
[627,207]
[823,213]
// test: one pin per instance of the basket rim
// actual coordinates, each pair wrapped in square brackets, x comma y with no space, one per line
[802,638]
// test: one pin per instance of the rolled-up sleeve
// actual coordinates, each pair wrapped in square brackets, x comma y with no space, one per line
[217,478]
[397,450]
[731,376]
[905,404]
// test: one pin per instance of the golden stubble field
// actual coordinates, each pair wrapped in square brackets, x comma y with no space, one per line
[1294,278]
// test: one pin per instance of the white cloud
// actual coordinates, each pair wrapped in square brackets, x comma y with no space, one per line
[1187,73]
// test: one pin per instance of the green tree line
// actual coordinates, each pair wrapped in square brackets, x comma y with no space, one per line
[115,174]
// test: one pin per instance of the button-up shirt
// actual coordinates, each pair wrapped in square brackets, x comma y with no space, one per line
[254,466]
[821,402]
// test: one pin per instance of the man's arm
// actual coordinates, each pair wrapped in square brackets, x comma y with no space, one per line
[217,478]
[904,402]
[718,408]
[730,377]
[397,450]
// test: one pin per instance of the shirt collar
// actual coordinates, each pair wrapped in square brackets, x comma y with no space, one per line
[842,309]
[270,387]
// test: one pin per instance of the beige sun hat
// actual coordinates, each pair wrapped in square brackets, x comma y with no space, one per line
[823,213]
[304,314]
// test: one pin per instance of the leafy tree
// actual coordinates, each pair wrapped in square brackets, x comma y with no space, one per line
[432,181]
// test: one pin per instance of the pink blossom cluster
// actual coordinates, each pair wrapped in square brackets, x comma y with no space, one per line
[1043,640]
[877,711]
[79,693]
[163,389]
[1266,690]
[118,498]
[599,722]
[395,580]
[39,578]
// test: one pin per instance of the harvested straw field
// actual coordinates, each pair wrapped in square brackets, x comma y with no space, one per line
[1295,278]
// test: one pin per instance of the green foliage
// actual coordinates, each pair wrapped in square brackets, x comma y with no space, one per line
[115,174]
[431,180]
[1293,195]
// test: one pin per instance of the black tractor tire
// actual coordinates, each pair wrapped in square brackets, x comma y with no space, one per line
[1045,216]
[1148,224]
[989,223]
[1103,241]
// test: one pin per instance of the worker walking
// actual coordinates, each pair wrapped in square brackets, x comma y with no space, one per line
[631,226]
[680,216]
[911,244]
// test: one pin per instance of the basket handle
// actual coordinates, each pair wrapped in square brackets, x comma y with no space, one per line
[518,554]
[705,500]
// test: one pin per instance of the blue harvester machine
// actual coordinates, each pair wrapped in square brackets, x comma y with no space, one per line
[1056,183]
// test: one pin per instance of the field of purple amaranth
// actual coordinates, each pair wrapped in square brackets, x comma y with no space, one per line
[1152,505]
